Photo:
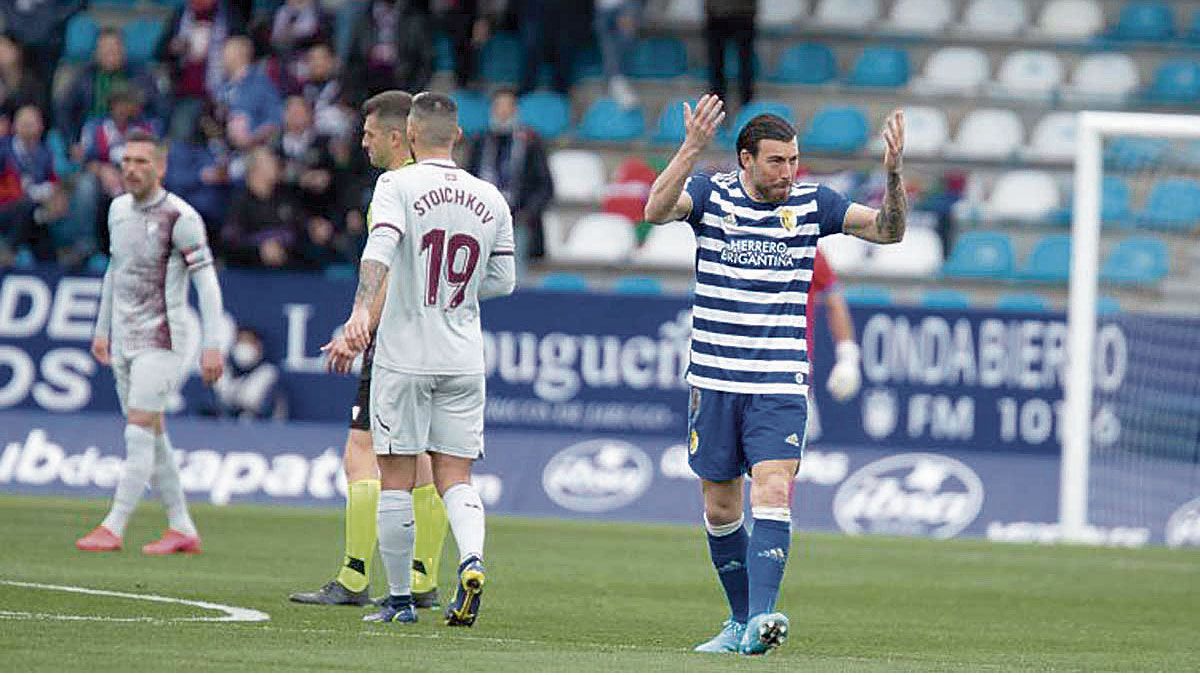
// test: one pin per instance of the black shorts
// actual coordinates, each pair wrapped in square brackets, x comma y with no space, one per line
[360,414]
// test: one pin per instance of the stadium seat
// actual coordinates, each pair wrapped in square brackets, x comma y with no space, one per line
[473,111]
[599,238]
[443,50]
[924,17]
[548,113]
[1135,154]
[638,285]
[588,64]
[1030,74]
[1070,19]
[945,298]
[749,112]
[1114,204]
[1136,261]
[555,233]
[501,59]
[953,70]
[845,254]
[919,255]
[1049,261]
[657,58]
[880,67]
[80,42]
[1173,204]
[606,120]
[1107,304]
[578,176]
[669,129]
[981,254]
[988,133]
[805,63]
[141,39]
[867,295]
[564,282]
[670,245]
[847,14]
[684,12]
[994,18]
[1053,138]
[1023,195]
[776,16]
[1147,20]
[1109,76]
[1176,81]
[926,131]
[1022,302]
[836,129]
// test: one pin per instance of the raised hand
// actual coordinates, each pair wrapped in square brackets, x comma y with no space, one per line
[893,141]
[700,125]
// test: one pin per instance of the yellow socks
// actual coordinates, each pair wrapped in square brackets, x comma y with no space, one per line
[430,514]
[362,506]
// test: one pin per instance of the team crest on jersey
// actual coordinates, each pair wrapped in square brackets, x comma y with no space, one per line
[787,218]
[730,220]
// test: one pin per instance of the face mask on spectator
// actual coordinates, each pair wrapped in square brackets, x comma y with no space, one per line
[246,355]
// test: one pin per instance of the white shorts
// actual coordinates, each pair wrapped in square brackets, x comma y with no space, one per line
[146,380]
[411,414]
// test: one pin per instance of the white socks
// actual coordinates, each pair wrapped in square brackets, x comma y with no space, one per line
[465,510]
[139,463]
[166,478]
[397,534]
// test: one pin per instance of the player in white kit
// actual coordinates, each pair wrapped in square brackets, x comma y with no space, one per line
[444,240]
[157,243]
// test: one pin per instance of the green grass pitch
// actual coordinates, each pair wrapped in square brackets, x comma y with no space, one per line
[585,597]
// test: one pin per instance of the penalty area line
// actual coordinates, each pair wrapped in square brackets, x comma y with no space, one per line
[230,613]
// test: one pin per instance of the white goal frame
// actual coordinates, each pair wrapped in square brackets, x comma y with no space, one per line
[1092,128]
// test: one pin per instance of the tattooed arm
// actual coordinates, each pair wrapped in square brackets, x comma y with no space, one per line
[886,225]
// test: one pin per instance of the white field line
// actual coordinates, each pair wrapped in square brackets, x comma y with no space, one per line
[230,613]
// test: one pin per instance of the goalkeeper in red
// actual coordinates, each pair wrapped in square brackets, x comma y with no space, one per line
[756,232]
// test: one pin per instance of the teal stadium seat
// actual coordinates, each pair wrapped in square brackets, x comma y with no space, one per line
[880,67]
[836,129]
[80,42]
[756,108]
[1022,302]
[981,255]
[141,38]
[945,298]
[1175,81]
[638,285]
[1115,209]
[805,63]
[443,53]
[1136,261]
[669,130]
[657,58]
[1049,261]
[867,295]
[564,282]
[1135,153]
[1148,20]
[607,121]
[501,59]
[548,113]
[1194,29]
[1107,304]
[1173,204]
[473,111]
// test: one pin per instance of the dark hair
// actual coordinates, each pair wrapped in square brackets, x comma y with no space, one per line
[765,127]
[109,31]
[391,106]
[144,136]
[438,115]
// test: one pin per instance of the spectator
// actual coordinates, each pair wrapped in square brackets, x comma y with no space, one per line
[392,47]
[31,201]
[248,103]
[307,163]
[549,31]
[468,23]
[40,27]
[725,21]
[616,29]
[193,48]
[195,173]
[513,158]
[250,388]
[297,25]
[321,87]
[87,98]
[264,221]
[18,84]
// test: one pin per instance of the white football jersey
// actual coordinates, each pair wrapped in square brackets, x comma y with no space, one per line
[451,225]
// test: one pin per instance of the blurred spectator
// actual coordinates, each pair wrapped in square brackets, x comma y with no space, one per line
[40,27]
[196,173]
[31,201]
[192,46]
[18,84]
[468,23]
[616,29]
[296,26]
[550,29]
[513,158]
[307,162]
[248,103]
[262,228]
[87,97]
[726,21]
[392,48]
[321,87]
[250,389]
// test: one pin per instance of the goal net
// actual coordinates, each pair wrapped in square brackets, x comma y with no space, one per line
[1131,418]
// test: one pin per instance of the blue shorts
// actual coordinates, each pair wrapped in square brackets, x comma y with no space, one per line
[729,433]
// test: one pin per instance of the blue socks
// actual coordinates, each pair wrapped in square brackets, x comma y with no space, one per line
[767,556]
[728,544]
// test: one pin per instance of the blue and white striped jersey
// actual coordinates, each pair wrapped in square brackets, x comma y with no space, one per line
[754,264]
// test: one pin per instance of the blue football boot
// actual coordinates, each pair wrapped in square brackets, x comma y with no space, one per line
[394,609]
[764,632]
[463,610]
[728,641]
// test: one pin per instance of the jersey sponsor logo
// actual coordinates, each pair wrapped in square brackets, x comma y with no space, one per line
[911,494]
[1183,528]
[597,475]
[757,254]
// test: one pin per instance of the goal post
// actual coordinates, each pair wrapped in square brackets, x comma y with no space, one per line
[1092,130]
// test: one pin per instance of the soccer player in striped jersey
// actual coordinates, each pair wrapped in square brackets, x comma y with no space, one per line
[756,232]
